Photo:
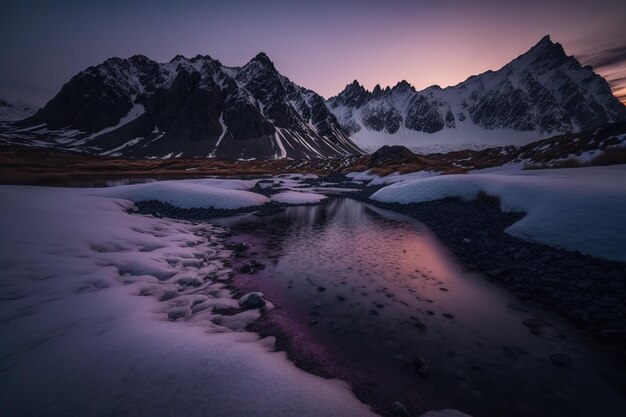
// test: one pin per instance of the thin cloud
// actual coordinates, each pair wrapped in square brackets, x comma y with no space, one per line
[611,57]
[614,82]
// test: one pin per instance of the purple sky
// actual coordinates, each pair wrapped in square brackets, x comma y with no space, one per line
[322,45]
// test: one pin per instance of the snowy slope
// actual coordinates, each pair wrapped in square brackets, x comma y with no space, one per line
[539,94]
[580,209]
[10,112]
[77,339]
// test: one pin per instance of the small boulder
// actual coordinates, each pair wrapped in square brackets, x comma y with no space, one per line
[238,247]
[398,410]
[252,300]
[176,313]
[420,366]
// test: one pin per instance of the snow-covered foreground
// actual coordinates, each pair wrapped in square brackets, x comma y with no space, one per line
[78,339]
[577,209]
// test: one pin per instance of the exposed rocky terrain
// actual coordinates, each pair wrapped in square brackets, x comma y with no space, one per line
[136,107]
[36,165]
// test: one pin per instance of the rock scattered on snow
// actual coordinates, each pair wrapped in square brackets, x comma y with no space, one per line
[252,300]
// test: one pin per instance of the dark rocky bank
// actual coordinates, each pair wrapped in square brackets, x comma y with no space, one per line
[590,292]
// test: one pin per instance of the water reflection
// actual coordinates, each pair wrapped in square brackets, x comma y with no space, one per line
[368,291]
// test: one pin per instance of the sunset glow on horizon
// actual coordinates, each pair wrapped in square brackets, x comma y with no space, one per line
[320,45]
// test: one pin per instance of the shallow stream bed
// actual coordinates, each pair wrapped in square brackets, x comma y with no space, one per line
[373,298]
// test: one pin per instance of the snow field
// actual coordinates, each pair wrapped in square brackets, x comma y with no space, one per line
[580,209]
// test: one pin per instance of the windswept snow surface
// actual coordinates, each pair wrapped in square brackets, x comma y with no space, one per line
[186,194]
[580,209]
[77,339]
[296,197]
[389,179]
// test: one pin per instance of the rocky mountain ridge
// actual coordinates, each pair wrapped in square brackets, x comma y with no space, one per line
[543,92]
[137,107]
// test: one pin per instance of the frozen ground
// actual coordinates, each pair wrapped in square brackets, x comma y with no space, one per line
[78,339]
[577,209]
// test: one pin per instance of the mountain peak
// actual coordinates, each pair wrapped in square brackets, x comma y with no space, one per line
[545,41]
[403,85]
[377,91]
[354,94]
[262,58]
[545,48]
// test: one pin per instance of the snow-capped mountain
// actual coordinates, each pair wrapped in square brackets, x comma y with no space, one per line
[539,94]
[190,107]
[10,112]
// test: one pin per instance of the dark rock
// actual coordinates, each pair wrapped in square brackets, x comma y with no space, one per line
[533,323]
[252,267]
[175,314]
[420,325]
[420,366]
[562,360]
[398,410]
[252,300]
[238,246]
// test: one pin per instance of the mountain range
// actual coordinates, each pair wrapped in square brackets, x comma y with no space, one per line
[542,93]
[191,107]
[137,107]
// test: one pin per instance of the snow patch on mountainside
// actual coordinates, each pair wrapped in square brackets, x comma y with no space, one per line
[10,112]
[135,111]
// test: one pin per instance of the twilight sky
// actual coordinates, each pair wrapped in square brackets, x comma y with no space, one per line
[321,44]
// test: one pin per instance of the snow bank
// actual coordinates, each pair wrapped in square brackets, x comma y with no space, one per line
[296,197]
[77,339]
[226,184]
[578,209]
[389,179]
[186,194]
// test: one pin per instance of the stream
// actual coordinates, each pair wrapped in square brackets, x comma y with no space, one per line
[372,297]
